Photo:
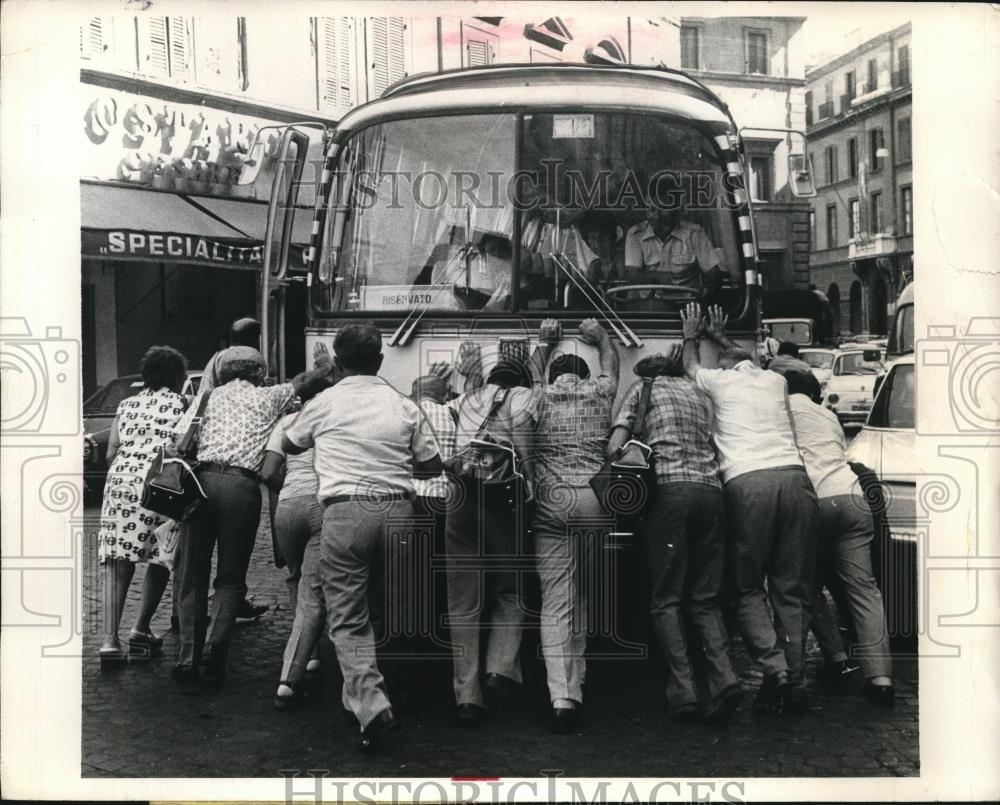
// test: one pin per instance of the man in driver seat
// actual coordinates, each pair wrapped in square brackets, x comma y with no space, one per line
[667,250]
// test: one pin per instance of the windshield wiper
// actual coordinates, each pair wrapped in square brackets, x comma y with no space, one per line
[401,337]
[593,296]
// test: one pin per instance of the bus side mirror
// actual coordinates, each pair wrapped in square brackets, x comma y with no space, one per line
[800,176]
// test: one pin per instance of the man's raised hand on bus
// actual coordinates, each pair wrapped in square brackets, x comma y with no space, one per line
[321,355]
[548,337]
[716,327]
[691,325]
[470,364]
[591,332]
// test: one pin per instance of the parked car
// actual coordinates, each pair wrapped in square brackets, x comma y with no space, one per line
[98,415]
[850,388]
[886,444]
[820,362]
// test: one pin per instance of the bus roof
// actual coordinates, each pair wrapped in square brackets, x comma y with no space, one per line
[546,87]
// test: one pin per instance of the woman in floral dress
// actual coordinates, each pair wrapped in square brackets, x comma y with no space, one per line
[142,423]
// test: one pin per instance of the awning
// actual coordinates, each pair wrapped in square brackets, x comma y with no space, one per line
[137,224]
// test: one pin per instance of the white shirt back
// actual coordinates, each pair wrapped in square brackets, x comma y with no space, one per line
[823,448]
[753,430]
[366,437]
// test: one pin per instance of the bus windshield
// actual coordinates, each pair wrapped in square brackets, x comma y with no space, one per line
[447,213]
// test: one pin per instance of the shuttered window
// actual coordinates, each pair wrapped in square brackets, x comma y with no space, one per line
[94,38]
[165,46]
[386,45]
[337,64]
[479,46]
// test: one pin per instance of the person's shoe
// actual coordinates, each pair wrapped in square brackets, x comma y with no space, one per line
[186,677]
[372,736]
[721,709]
[501,689]
[773,690]
[290,697]
[111,656]
[248,611]
[685,712]
[796,700]
[882,695]
[144,644]
[565,719]
[313,667]
[213,670]
[469,715]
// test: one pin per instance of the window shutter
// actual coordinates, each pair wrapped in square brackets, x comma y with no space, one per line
[336,64]
[94,38]
[180,46]
[477,53]
[156,60]
[386,53]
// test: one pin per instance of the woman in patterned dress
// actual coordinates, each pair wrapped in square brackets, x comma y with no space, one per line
[142,423]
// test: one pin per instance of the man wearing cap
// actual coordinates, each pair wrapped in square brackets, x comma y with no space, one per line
[237,421]
[369,443]
[482,593]
[574,417]
[771,509]
[242,333]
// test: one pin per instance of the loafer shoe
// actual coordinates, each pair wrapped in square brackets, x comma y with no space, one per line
[686,712]
[565,719]
[372,736]
[290,697]
[721,709]
[144,644]
[249,611]
[773,690]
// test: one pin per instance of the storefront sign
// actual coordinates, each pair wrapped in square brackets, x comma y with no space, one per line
[167,247]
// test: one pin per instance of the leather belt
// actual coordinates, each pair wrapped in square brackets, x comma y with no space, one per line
[213,466]
[388,498]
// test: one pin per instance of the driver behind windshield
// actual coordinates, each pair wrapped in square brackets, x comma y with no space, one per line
[665,249]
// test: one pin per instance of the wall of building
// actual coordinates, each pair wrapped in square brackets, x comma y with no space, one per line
[873,257]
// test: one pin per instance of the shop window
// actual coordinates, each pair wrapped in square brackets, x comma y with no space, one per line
[337,64]
[386,43]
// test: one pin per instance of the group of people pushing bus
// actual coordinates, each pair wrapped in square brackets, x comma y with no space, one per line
[753,491]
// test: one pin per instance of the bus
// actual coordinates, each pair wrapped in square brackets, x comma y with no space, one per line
[471,205]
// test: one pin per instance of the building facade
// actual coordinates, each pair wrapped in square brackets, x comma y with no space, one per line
[756,65]
[859,127]
[170,107]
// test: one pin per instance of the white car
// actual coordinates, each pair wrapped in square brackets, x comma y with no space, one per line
[887,445]
[850,387]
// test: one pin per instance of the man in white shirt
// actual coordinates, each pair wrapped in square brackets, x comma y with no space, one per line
[771,508]
[846,529]
[370,443]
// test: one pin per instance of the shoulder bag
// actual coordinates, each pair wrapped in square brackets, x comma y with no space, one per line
[490,464]
[625,484]
[171,488]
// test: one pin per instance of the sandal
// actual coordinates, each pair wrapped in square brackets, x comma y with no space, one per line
[144,644]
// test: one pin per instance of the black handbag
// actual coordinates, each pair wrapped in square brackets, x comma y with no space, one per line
[490,465]
[626,482]
[171,488]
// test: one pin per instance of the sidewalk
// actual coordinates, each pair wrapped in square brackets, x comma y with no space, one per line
[136,723]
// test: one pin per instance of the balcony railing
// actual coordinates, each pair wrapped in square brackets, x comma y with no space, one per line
[826,110]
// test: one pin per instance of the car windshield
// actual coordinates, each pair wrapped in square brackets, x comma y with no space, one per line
[854,363]
[901,339]
[900,410]
[432,212]
[817,359]
[106,400]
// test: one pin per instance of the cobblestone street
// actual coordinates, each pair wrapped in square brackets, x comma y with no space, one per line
[137,723]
